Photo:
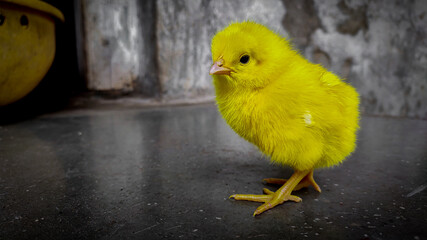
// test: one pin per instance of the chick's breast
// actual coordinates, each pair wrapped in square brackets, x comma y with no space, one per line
[304,124]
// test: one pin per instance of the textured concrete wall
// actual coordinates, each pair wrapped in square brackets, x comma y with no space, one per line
[184,31]
[112,46]
[119,44]
[379,46]
[162,48]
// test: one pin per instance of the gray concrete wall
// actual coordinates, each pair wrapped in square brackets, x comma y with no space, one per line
[184,30]
[119,45]
[380,47]
[162,48]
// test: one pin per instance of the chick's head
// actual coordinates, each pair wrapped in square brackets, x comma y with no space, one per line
[248,55]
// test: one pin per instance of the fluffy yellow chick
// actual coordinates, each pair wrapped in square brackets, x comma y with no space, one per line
[294,111]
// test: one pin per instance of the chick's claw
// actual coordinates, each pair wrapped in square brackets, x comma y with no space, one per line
[269,199]
[283,194]
[266,206]
[252,197]
[278,181]
[268,191]
[274,202]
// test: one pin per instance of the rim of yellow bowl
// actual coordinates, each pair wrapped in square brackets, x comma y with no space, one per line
[38,5]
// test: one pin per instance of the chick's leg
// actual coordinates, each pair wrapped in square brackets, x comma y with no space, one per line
[305,182]
[272,199]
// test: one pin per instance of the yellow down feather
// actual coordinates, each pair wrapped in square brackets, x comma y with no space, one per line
[294,111]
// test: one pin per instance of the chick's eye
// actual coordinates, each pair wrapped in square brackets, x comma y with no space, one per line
[244,59]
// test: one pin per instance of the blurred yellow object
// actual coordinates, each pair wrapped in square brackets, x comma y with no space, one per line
[27,46]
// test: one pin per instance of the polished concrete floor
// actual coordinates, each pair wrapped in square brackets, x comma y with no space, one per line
[167,173]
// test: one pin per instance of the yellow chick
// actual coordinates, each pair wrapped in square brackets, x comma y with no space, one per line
[296,112]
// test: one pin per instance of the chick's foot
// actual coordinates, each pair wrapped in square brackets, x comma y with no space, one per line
[272,199]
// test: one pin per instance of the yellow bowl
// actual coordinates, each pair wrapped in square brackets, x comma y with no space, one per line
[27,46]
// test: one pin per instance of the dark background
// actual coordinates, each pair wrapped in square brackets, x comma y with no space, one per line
[62,81]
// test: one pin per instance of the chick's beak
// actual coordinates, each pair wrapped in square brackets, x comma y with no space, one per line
[218,69]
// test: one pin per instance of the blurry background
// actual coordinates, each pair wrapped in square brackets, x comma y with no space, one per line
[158,51]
